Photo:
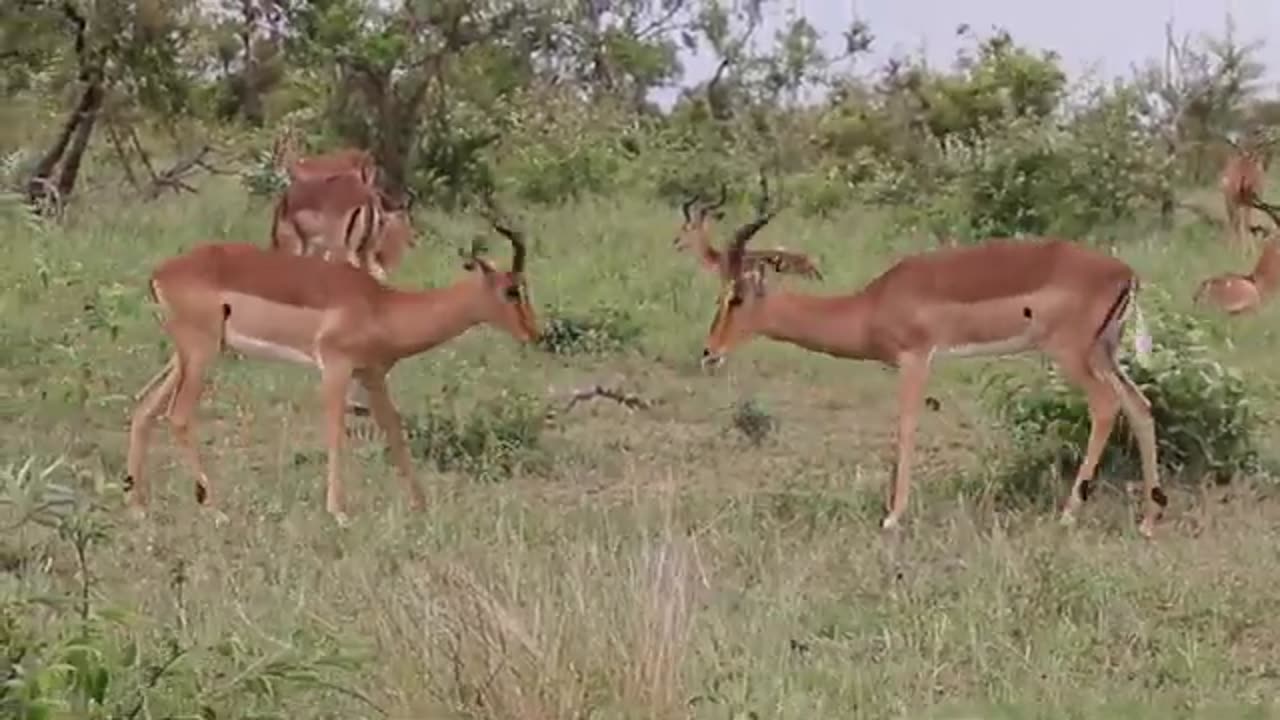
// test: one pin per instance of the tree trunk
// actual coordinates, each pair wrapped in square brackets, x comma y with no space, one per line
[74,137]
[80,140]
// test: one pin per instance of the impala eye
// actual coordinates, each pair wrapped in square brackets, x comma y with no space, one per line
[735,301]
[513,293]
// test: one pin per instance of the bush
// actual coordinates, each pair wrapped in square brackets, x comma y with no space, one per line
[489,444]
[604,329]
[262,178]
[753,419]
[1032,176]
[1207,419]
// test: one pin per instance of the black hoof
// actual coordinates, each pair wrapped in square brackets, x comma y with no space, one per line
[202,493]
[127,483]
[1159,498]
[1086,489]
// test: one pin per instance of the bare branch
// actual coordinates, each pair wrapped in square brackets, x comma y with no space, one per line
[631,401]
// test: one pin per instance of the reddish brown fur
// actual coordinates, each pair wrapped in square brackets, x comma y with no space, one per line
[996,298]
[340,218]
[347,161]
[1241,182]
[308,310]
[356,162]
[1234,293]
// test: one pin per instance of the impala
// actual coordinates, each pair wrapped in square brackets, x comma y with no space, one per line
[998,298]
[1241,181]
[695,235]
[356,162]
[1234,293]
[272,305]
[341,218]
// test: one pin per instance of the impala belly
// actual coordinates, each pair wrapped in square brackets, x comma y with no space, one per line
[271,331]
[1003,326]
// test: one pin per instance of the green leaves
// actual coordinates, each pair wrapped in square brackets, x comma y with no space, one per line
[1207,421]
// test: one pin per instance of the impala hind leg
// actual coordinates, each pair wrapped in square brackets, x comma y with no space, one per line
[1103,406]
[194,359]
[913,375]
[388,419]
[154,400]
[1137,411]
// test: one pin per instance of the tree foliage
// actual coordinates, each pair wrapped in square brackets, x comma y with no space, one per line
[560,98]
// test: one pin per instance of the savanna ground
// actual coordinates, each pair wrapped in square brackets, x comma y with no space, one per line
[650,563]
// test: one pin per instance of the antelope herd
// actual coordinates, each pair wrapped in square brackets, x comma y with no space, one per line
[316,296]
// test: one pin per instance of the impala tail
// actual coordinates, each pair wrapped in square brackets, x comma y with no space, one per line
[1141,335]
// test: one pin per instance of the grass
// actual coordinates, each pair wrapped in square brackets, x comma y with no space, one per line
[658,564]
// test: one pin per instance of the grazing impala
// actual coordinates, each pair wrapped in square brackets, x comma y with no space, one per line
[1241,182]
[695,234]
[999,298]
[268,304]
[341,218]
[1234,293]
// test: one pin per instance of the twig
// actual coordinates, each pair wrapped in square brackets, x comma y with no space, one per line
[173,177]
[629,400]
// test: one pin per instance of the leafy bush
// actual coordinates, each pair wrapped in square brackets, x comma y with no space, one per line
[602,330]
[262,178]
[1032,175]
[490,443]
[753,420]
[1206,415]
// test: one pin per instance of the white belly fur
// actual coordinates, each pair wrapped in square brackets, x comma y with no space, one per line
[267,350]
[1010,346]
[266,330]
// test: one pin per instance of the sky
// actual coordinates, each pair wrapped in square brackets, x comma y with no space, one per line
[1103,38]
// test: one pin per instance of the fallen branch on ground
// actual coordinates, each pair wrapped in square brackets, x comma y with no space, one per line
[631,401]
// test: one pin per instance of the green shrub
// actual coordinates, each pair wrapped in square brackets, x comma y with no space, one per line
[262,178]
[1031,176]
[1207,418]
[604,329]
[491,443]
[753,419]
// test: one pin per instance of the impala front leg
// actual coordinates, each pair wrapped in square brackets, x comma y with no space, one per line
[913,373]
[388,419]
[335,377]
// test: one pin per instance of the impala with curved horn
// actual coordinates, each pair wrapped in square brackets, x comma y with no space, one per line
[695,235]
[997,298]
[305,310]
[1234,293]
[1241,182]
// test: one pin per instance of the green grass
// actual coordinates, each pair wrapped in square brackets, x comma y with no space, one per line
[652,564]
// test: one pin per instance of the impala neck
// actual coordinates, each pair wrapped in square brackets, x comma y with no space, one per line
[416,321]
[836,325]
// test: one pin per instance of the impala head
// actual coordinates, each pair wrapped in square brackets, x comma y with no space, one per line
[740,307]
[505,293]
[697,219]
